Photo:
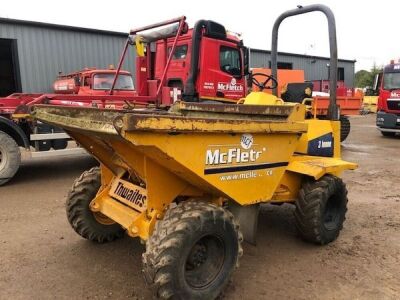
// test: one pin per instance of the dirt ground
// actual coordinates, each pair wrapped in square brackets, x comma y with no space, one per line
[41,257]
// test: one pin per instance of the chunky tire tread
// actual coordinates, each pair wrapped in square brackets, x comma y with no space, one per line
[13,162]
[345,127]
[169,235]
[79,214]
[313,197]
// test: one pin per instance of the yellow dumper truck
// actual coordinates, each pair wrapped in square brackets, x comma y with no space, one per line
[188,181]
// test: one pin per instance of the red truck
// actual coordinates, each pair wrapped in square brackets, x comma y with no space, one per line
[387,83]
[92,81]
[203,63]
[18,129]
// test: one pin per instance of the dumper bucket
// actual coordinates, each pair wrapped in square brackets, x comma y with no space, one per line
[208,147]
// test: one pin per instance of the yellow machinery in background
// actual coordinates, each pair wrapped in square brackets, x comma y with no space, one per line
[189,181]
[370,104]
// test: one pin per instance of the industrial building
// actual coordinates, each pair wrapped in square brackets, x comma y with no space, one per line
[33,53]
[315,67]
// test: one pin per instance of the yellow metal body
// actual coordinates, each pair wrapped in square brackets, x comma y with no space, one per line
[262,98]
[243,153]
[370,103]
[21,116]
[139,46]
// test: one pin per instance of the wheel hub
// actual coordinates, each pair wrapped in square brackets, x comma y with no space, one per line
[197,256]
[204,261]
[102,219]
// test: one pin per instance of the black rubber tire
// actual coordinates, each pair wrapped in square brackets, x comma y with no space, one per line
[10,157]
[318,201]
[59,144]
[165,261]
[345,127]
[388,134]
[79,215]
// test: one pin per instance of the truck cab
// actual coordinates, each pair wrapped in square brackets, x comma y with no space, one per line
[94,82]
[388,85]
[208,64]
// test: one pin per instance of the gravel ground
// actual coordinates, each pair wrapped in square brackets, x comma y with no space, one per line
[42,258]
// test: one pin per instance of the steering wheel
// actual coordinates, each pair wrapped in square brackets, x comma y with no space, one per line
[263,85]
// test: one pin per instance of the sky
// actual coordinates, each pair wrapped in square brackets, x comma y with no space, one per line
[366,30]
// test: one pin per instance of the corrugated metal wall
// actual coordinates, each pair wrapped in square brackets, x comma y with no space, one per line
[43,52]
[314,68]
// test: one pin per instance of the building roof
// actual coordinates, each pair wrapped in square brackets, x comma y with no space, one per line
[124,34]
[61,27]
[302,55]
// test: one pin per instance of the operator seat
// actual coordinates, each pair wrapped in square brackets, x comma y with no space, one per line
[297,91]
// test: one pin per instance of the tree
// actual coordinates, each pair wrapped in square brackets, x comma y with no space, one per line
[362,79]
[365,78]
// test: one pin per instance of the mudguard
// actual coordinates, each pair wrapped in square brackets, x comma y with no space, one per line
[14,131]
[319,166]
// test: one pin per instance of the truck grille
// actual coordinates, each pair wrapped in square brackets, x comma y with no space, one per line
[393,104]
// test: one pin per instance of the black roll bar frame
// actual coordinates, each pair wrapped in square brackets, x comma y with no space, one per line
[333,109]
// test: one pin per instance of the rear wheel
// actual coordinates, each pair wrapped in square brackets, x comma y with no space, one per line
[344,128]
[192,251]
[90,225]
[10,157]
[321,209]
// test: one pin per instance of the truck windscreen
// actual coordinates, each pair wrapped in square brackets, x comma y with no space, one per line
[391,81]
[104,82]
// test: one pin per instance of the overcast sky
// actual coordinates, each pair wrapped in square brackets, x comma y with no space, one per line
[366,30]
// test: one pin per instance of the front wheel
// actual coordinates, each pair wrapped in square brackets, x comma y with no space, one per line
[321,209]
[192,251]
[10,157]
[90,225]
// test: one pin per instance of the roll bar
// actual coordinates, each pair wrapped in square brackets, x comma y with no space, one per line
[333,109]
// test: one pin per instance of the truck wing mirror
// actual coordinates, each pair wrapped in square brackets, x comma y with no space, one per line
[246,60]
[376,79]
